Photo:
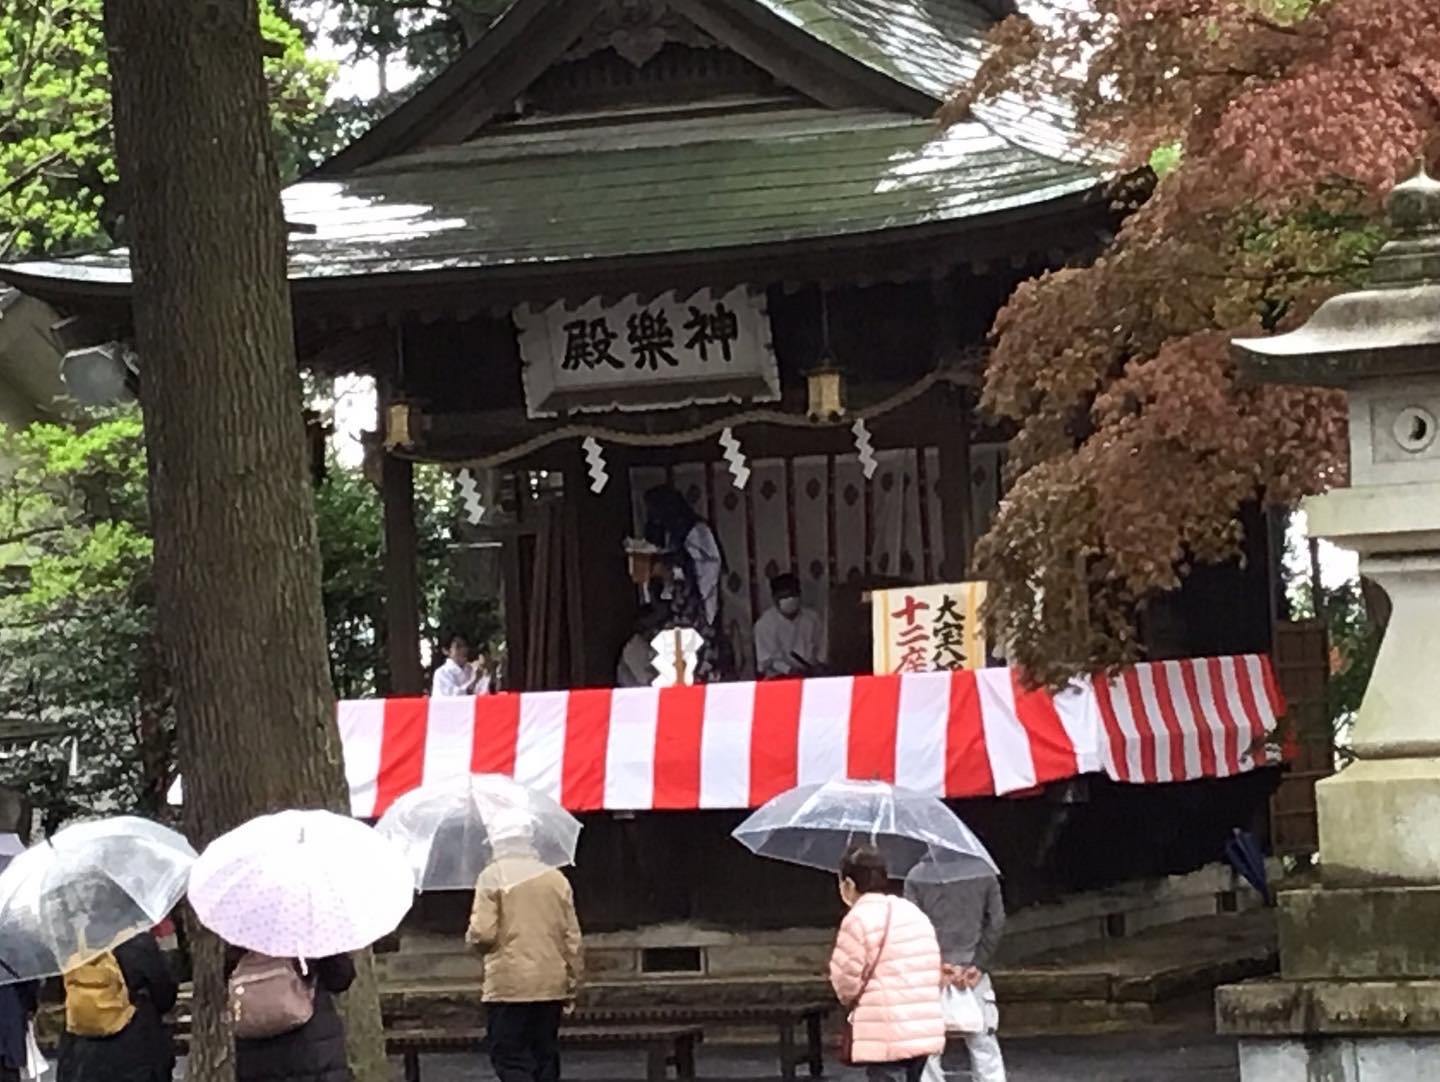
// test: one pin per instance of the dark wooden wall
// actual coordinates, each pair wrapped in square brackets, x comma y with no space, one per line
[684,867]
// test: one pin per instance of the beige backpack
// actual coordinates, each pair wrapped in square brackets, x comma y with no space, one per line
[268,997]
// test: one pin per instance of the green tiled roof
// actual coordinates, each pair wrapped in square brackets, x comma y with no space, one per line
[935,47]
[521,195]
[647,189]
[930,45]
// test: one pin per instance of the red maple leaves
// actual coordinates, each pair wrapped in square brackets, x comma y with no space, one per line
[1135,445]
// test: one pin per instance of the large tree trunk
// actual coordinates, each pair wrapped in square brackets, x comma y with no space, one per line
[237,566]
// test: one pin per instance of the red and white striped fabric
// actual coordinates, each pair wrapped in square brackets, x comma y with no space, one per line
[1197,718]
[737,745]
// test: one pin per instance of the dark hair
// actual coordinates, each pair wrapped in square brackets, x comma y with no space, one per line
[651,618]
[669,517]
[786,584]
[453,637]
[865,867]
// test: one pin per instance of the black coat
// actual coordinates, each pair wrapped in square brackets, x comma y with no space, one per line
[316,1051]
[142,1051]
[17,1005]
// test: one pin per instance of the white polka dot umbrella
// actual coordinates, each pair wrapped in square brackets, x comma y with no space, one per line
[301,884]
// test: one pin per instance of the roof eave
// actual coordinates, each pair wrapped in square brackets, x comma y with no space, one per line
[532,34]
[1385,333]
[69,292]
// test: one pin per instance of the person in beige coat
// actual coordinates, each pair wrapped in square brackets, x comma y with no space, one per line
[523,921]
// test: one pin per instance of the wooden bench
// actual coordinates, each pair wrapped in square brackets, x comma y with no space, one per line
[665,1046]
[674,1029]
[786,1018]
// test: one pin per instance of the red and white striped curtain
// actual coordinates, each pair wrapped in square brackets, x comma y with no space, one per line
[959,734]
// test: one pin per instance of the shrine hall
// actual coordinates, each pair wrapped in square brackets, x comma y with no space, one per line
[725,246]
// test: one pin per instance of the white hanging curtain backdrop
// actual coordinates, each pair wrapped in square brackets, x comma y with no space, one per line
[818,516]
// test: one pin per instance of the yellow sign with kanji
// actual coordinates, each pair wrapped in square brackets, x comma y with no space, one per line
[928,628]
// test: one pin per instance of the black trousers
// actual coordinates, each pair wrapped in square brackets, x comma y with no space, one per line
[525,1041]
[907,1070]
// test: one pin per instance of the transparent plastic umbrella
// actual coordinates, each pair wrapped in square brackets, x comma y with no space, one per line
[301,884]
[815,825]
[10,847]
[86,890]
[452,831]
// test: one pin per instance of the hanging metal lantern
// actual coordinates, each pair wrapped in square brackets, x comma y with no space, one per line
[826,388]
[400,418]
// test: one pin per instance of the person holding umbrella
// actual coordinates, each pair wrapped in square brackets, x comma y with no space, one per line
[886,971]
[507,842]
[82,904]
[969,918]
[524,922]
[269,996]
[115,1008]
[293,894]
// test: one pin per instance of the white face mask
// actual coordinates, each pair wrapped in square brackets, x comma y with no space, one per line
[788,606]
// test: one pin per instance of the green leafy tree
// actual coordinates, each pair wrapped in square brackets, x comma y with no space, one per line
[57,168]
[1354,641]
[80,671]
[80,664]
[351,519]
[426,34]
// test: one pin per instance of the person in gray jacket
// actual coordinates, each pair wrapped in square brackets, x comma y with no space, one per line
[969,919]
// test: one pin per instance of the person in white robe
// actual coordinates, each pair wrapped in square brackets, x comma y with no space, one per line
[457,675]
[790,638]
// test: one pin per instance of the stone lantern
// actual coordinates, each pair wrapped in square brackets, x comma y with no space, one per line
[1358,999]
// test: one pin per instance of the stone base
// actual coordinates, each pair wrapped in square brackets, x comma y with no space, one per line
[1389,1059]
[1377,821]
[1333,1031]
[1380,933]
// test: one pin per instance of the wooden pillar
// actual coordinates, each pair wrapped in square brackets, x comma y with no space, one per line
[957,491]
[402,591]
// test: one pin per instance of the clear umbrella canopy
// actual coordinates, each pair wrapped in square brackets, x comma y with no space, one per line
[86,890]
[815,825]
[10,847]
[452,831]
[301,884]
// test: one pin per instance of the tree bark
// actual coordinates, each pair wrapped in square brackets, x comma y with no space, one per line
[236,559]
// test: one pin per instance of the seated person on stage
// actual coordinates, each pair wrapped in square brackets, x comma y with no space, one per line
[789,638]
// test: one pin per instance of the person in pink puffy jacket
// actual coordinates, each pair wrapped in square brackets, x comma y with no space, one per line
[886,971]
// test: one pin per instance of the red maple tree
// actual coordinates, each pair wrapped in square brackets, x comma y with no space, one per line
[1274,127]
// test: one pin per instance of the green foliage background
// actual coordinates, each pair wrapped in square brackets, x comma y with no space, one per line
[57,171]
[81,675]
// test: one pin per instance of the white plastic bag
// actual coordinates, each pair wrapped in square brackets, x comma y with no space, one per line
[964,1012]
[36,1065]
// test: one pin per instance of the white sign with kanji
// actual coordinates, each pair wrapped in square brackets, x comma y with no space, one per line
[662,352]
[928,628]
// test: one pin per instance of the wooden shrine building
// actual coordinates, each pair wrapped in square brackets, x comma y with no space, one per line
[648,224]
